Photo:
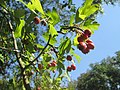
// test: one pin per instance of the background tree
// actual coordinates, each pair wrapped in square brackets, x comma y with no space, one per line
[102,76]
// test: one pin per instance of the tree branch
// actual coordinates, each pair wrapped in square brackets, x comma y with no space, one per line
[71,28]
[39,54]
[17,53]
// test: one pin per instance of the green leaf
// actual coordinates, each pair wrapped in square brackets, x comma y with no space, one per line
[1,58]
[86,10]
[34,5]
[92,25]
[39,46]
[88,3]
[38,6]
[72,19]
[52,40]
[54,17]
[19,13]
[92,9]
[65,46]
[60,65]
[19,29]
[77,18]
[78,58]
[47,57]
[52,30]
[75,42]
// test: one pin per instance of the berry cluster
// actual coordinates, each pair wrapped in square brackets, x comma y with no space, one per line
[72,67]
[52,64]
[37,21]
[85,44]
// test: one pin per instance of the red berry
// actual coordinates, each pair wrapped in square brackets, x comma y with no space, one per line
[38,88]
[80,39]
[53,64]
[36,20]
[69,58]
[69,68]
[40,66]
[82,46]
[54,61]
[85,51]
[89,41]
[90,45]
[73,67]
[84,36]
[49,65]
[87,32]
[43,22]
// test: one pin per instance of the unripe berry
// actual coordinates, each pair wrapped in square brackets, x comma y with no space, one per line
[69,58]
[36,20]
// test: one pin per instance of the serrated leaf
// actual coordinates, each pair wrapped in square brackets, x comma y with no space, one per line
[34,5]
[91,25]
[38,6]
[54,17]
[86,10]
[52,30]
[94,26]
[92,9]
[64,46]
[19,29]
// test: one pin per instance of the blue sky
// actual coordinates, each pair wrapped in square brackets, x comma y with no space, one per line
[106,39]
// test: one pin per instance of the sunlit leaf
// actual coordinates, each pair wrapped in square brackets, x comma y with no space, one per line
[34,5]
[54,17]
[52,30]
[52,40]
[1,58]
[86,10]
[19,29]
[72,19]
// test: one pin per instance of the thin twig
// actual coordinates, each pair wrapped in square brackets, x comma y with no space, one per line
[39,53]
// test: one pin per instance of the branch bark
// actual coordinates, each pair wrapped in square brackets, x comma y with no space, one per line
[17,53]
